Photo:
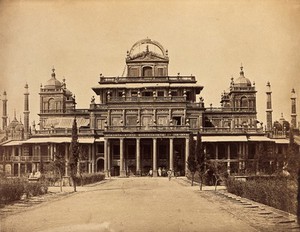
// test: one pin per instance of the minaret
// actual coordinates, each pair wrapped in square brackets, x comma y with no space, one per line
[26,113]
[294,110]
[4,113]
[269,107]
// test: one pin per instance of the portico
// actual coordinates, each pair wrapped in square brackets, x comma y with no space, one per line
[137,154]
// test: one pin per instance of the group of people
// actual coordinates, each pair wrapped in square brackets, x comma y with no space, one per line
[161,172]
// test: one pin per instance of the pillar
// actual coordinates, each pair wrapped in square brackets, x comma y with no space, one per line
[122,169]
[217,151]
[293,110]
[228,158]
[171,156]
[138,156]
[93,158]
[66,159]
[90,158]
[19,169]
[108,158]
[187,153]
[105,158]
[154,157]
[26,113]
[269,108]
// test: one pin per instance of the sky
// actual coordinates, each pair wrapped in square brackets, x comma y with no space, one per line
[209,39]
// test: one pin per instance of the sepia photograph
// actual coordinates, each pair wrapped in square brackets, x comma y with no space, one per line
[155,115]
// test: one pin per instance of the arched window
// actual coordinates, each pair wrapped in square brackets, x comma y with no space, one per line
[51,104]
[244,102]
[147,71]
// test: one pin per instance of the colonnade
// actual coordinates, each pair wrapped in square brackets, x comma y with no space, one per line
[107,156]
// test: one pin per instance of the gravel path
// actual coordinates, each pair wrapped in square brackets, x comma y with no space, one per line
[137,204]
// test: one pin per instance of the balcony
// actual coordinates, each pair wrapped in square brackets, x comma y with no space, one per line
[149,79]
[149,128]
[229,109]
[216,130]
[65,111]
[29,158]
[146,99]
[63,131]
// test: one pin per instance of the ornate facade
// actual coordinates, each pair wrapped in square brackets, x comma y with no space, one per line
[140,121]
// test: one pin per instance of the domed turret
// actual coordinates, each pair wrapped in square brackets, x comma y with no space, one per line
[53,83]
[242,81]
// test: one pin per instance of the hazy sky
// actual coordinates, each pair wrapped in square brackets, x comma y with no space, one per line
[209,39]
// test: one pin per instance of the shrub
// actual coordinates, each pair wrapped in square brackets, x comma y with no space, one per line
[11,190]
[35,189]
[89,178]
[280,193]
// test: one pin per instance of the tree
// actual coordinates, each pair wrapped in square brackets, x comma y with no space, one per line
[219,171]
[292,157]
[192,162]
[74,154]
[200,154]
[59,165]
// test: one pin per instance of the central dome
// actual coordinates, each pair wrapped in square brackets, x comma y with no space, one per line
[53,83]
[242,80]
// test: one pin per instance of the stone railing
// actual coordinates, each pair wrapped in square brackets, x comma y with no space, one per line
[24,158]
[147,79]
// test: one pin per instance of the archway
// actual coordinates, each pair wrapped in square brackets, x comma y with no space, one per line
[100,165]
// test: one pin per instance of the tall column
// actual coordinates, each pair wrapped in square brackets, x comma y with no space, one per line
[293,110]
[105,158]
[19,169]
[217,151]
[187,153]
[171,166]
[154,157]
[90,158]
[26,113]
[269,108]
[122,169]
[93,158]
[138,156]
[66,159]
[4,111]
[228,158]
[108,158]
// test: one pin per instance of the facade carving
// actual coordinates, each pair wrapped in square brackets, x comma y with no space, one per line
[141,120]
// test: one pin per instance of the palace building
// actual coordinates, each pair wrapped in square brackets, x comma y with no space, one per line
[140,121]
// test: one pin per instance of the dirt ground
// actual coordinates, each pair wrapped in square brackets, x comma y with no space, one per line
[133,204]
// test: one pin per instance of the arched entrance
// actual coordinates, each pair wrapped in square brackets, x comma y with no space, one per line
[100,165]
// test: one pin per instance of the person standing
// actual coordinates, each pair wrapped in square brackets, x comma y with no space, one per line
[159,171]
[150,172]
[169,172]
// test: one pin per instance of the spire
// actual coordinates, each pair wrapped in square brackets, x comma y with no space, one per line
[241,72]
[53,72]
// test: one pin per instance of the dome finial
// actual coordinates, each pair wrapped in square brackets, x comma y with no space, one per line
[53,72]
[242,72]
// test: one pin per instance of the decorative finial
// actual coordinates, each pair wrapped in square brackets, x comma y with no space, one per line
[53,72]
[242,72]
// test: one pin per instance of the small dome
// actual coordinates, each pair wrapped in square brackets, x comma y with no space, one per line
[19,127]
[242,80]
[53,83]
[13,124]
